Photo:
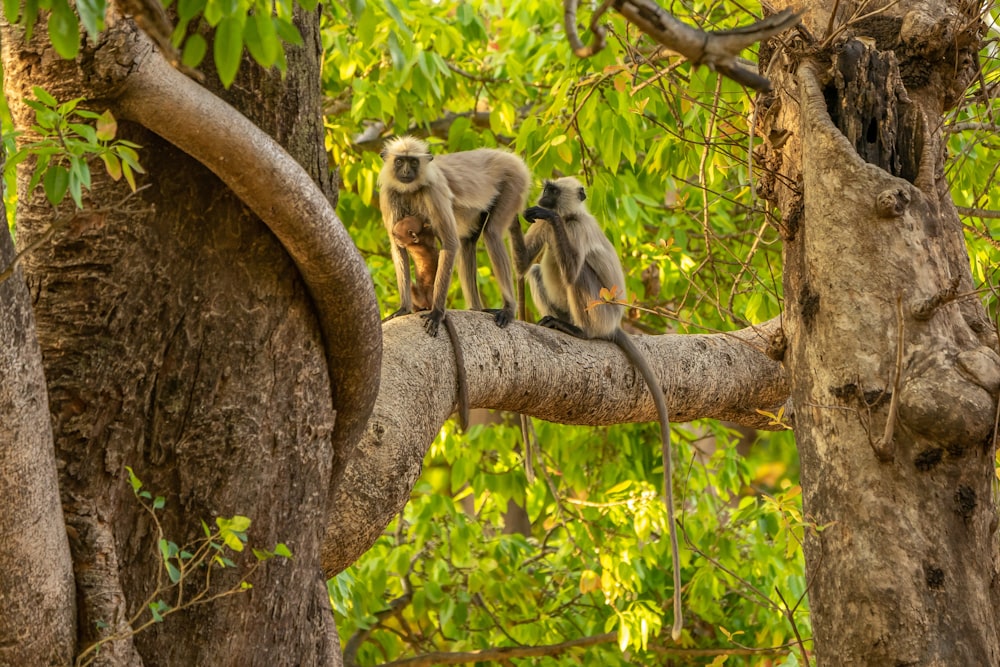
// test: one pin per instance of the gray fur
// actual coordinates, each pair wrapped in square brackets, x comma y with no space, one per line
[578,261]
[454,192]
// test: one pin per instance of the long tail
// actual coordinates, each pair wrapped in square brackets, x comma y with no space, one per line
[463,388]
[622,340]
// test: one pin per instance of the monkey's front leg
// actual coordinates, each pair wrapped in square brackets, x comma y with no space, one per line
[446,265]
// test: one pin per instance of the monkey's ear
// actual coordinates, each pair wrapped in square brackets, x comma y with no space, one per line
[382,153]
[582,194]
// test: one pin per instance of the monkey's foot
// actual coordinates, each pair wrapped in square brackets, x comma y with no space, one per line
[502,316]
[401,311]
[432,320]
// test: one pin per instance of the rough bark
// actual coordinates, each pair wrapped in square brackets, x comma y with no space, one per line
[536,371]
[894,381]
[37,613]
[179,338]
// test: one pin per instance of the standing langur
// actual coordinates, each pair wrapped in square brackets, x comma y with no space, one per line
[463,196]
[415,237]
[577,261]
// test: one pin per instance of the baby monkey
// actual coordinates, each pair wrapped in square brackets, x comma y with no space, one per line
[577,262]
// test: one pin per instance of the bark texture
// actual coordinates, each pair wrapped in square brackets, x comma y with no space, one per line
[37,614]
[179,339]
[536,371]
[894,380]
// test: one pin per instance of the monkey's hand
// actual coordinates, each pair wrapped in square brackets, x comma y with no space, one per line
[540,213]
[401,311]
[432,320]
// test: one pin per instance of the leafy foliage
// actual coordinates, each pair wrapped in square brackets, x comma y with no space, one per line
[263,27]
[665,151]
[66,145]
[185,578]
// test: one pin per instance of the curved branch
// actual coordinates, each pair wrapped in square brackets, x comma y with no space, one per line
[532,370]
[272,184]
[717,49]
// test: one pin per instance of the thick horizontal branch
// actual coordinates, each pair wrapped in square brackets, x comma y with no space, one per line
[536,371]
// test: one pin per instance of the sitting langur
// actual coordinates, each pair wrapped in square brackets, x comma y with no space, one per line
[463,196]
[577,261]
[415,237]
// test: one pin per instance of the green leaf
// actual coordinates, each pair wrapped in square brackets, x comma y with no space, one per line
[398,57]
[280,549]
[228,48]
[173,572]
[158,503]
[86,132]
[194,51]
[188,9]
[44,97]
[133,480]
[288,32]
[55,182]
[30,17]
[11,10]
[92,16]
[261,39]
[64,30]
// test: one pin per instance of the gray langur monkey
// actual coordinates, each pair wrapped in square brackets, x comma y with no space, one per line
[577,261]
[463,196]
[416,237]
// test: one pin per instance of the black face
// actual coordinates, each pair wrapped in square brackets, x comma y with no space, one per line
[550,195]
[407,168]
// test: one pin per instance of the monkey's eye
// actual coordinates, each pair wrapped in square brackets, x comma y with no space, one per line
[399,162]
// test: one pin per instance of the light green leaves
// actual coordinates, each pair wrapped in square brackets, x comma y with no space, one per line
[71,138]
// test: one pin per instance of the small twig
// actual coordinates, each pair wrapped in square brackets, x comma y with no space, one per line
[883,446]
[600,33]
[795,630]
[61,223]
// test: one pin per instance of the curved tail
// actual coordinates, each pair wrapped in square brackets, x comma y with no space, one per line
[622,340]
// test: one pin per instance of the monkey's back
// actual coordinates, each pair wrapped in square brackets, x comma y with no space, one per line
[479,176]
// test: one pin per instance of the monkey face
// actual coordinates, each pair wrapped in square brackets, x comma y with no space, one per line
[550,195]
[407,168]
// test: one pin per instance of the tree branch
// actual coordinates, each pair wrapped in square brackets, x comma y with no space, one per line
[717,49]
[536,371]
[272,184]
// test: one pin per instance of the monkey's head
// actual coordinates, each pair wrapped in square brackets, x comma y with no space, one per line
[406,231]
[405,158]
[564,195]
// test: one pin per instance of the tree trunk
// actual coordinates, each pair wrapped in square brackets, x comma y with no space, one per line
[179,339]
[37,615]
[894,374]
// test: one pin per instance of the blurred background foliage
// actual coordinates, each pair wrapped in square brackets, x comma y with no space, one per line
[483,566]
[576,563]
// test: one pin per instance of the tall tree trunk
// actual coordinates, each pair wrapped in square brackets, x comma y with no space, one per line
[179,339]
[894,373]
[37,614]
